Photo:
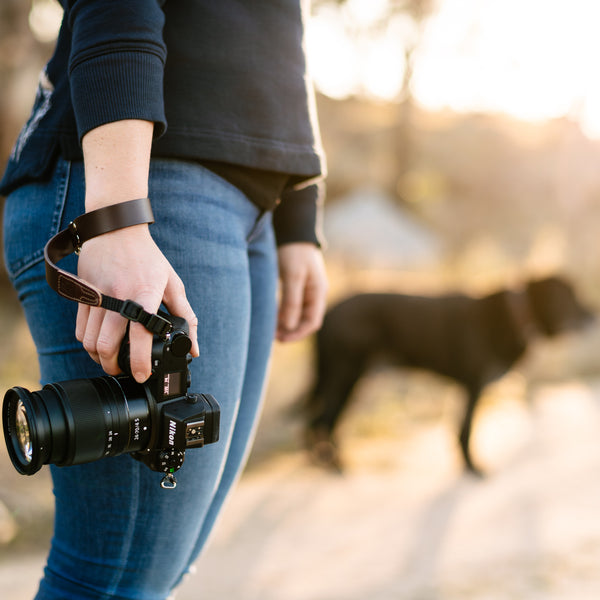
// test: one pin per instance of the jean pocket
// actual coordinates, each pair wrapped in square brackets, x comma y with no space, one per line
[32,215]
[263,218]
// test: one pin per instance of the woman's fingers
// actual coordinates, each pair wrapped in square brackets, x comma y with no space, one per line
[177,303]
[101,332]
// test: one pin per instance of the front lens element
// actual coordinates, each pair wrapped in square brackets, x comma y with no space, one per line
[76,421]
[21,428]
[24,427]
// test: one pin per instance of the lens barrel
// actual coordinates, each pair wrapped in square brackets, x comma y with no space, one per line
[74,422]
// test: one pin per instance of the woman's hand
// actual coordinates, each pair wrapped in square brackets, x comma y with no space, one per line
[127,264]
[303,291]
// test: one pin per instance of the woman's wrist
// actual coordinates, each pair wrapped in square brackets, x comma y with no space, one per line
[117,162]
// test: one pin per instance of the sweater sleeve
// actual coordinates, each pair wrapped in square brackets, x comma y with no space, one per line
[117,62]
[298,216]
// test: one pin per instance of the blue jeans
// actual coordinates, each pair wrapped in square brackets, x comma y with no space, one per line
[117,533]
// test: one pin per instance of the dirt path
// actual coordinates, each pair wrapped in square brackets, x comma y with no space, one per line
[404,523]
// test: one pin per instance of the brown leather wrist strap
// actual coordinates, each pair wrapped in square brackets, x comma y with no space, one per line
[79,231]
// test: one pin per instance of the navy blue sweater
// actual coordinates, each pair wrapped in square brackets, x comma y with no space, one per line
[223,80]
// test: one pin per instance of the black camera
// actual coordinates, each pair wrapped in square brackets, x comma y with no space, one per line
[82,420]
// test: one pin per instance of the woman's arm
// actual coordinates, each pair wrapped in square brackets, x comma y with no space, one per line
[125,263]
[301,267]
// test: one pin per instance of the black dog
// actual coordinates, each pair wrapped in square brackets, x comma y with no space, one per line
[473,341]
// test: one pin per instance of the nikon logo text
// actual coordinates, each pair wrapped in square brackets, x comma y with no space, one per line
[172,429]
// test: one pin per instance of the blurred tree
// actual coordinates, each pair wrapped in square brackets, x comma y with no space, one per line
[21,58]
[15,42]
[417,13]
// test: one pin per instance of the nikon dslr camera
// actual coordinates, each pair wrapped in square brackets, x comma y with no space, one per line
[82,420]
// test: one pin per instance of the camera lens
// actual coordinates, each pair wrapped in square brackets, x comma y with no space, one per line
[75,421]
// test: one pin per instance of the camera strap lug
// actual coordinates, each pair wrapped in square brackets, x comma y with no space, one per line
[168,482]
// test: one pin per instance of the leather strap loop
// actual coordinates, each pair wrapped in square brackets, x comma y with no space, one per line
[79,231]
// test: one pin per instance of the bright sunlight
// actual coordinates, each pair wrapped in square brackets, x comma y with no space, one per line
[532,59]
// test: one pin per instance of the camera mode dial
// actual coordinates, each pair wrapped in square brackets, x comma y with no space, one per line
[170,460]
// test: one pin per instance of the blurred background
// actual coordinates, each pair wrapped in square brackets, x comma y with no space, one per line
[463,144]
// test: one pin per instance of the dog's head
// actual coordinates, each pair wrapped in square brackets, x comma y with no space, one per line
[555,306]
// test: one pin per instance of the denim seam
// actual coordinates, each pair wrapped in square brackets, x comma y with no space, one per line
[35,258]
[72,349]
[61,193]
[128,540]
[258,226]
[61,197]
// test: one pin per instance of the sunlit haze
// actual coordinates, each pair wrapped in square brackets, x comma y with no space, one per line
[532,59]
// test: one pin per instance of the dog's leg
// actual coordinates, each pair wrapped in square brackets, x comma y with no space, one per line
[331,396]
[473,395]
